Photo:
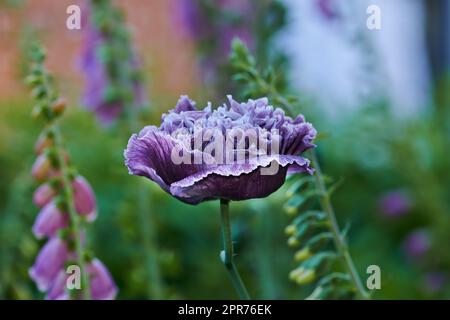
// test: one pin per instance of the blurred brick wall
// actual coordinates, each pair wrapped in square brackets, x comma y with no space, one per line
[166,53]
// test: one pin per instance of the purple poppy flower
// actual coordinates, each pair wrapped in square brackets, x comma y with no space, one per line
[395,203]
[43,195]
[101,281]
[417,243]
[49,220]
[49,262]
[84,198]
[235,147]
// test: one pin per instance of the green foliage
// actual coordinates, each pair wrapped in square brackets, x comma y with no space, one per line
[312,227]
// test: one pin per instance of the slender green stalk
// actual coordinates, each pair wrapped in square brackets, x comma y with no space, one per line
[327,207]
[154,285]
[340,243]
[246,68]
[74,218]
[227,255]
[68,193]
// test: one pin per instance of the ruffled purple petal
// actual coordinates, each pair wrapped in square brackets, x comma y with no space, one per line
[257,179]
[149,154]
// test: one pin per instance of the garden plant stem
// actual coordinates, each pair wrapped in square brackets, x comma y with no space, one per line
[227,254]
[340,243]
[74,218]
[68,193]
[327,207]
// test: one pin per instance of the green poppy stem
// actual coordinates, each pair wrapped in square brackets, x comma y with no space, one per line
[227,253]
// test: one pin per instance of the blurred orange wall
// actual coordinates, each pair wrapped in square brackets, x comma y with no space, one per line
[167,55]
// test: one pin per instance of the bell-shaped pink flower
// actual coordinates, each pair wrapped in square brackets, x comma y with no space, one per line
[84,198]
[49,262]
[43,195]
[49,220]
[58,289]
[101,281]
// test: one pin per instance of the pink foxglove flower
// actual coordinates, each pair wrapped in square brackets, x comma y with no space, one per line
[58,288]
[102,284]
[49,221]
[41,167]
[84,198]
[49,262]
[43,195]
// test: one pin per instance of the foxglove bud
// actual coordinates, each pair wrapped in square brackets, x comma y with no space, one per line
[290,230]
[302,254]
[101,282]
[84,198]
[59,106]
[44,141]
[293,242]
[41,167]
[49,221]
[302,276]
[49,262]
[43,195]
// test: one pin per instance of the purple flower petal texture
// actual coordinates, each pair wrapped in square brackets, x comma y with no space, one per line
[230,149]
[84,198]
[57,290]
[49,220]
[49,262]
[43,195]
[101,281]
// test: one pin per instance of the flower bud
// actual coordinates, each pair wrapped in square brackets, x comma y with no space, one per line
[84,198]
[290,210]
[293,242]
[41,167]
[290,230]
[302,276]
[49,262]
[302,255]
[43,195]
[49,220]
[44,141]
[59,106]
